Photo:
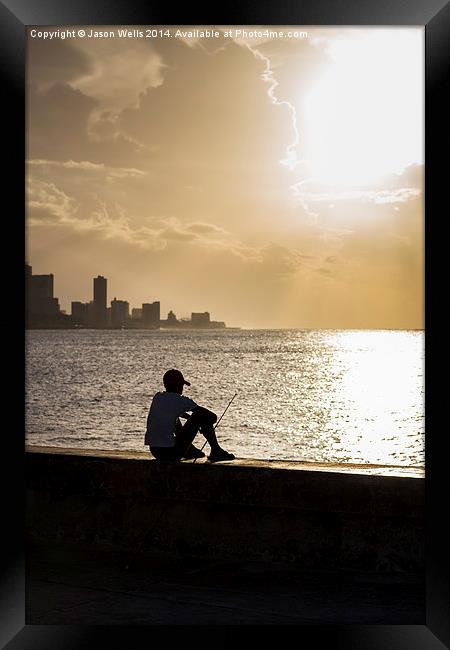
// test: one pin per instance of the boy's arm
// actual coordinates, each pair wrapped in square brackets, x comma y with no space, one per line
[205,413]
[200,410]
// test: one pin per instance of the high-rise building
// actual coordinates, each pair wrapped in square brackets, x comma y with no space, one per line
[100,309]
[136,313]
[39,294]
[151,314]
[120,312]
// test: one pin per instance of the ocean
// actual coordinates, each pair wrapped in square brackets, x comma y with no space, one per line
[348,396]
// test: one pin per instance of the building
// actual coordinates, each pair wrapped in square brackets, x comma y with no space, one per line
[171,318]
[91,313]
[120,312]
[39,294]
[151,314]
[100,295]
[200,319]
[217,324]
[136,313]
[79,312]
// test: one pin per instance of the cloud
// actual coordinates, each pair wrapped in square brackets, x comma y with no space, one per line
[291,70]
[111,75]
[396,196]
[173,228]
[290,159]
[392,188]
[206,236]
[372,213]
[205,108]
[89,167]
[48,204]
[50,63]
[206,228]
[59,121]
[411,176]
[177,234]
[209,124]
[118,75]
[386,253]
[399,195]
[280,260]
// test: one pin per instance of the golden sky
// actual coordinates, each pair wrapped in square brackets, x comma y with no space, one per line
[274,182]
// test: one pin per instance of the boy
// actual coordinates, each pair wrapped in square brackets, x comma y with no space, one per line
[166,437]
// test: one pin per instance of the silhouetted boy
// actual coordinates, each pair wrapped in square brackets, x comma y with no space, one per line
[167,438]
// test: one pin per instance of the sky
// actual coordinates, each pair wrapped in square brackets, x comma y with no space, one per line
[276,182]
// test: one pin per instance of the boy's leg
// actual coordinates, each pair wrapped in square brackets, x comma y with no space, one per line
[205,420]
[184,437]
[186,449]
[186,433]
[217,453]
[201,421]
[207,429]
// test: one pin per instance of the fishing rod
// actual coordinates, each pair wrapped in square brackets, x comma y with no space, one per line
[218,421]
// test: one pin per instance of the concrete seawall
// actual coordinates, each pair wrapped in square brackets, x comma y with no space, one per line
[342,517]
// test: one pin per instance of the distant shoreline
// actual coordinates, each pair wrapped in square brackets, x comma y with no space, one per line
[136,329]
[222,329]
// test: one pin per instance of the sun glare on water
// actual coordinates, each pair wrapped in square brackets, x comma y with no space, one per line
[383,386]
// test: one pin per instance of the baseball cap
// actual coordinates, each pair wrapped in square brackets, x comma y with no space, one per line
[173,376]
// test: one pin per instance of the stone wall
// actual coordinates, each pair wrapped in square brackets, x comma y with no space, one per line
[319,517]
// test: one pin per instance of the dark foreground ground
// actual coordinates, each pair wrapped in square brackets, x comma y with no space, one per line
[75,586]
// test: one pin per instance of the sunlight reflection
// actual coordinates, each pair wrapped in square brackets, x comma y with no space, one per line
[379,382]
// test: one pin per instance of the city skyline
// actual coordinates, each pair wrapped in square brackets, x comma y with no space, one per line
[66,301]
[43,309]
[277,181]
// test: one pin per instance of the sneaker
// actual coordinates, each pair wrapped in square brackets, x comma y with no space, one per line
[220,455]
[193,452]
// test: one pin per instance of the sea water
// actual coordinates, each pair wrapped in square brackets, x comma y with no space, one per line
[353,396]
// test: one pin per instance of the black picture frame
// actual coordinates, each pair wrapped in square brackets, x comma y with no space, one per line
[15,17]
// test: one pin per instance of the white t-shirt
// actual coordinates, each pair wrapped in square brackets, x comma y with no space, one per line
[162,416]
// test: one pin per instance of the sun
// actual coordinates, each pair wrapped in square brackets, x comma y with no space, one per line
[364,117]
